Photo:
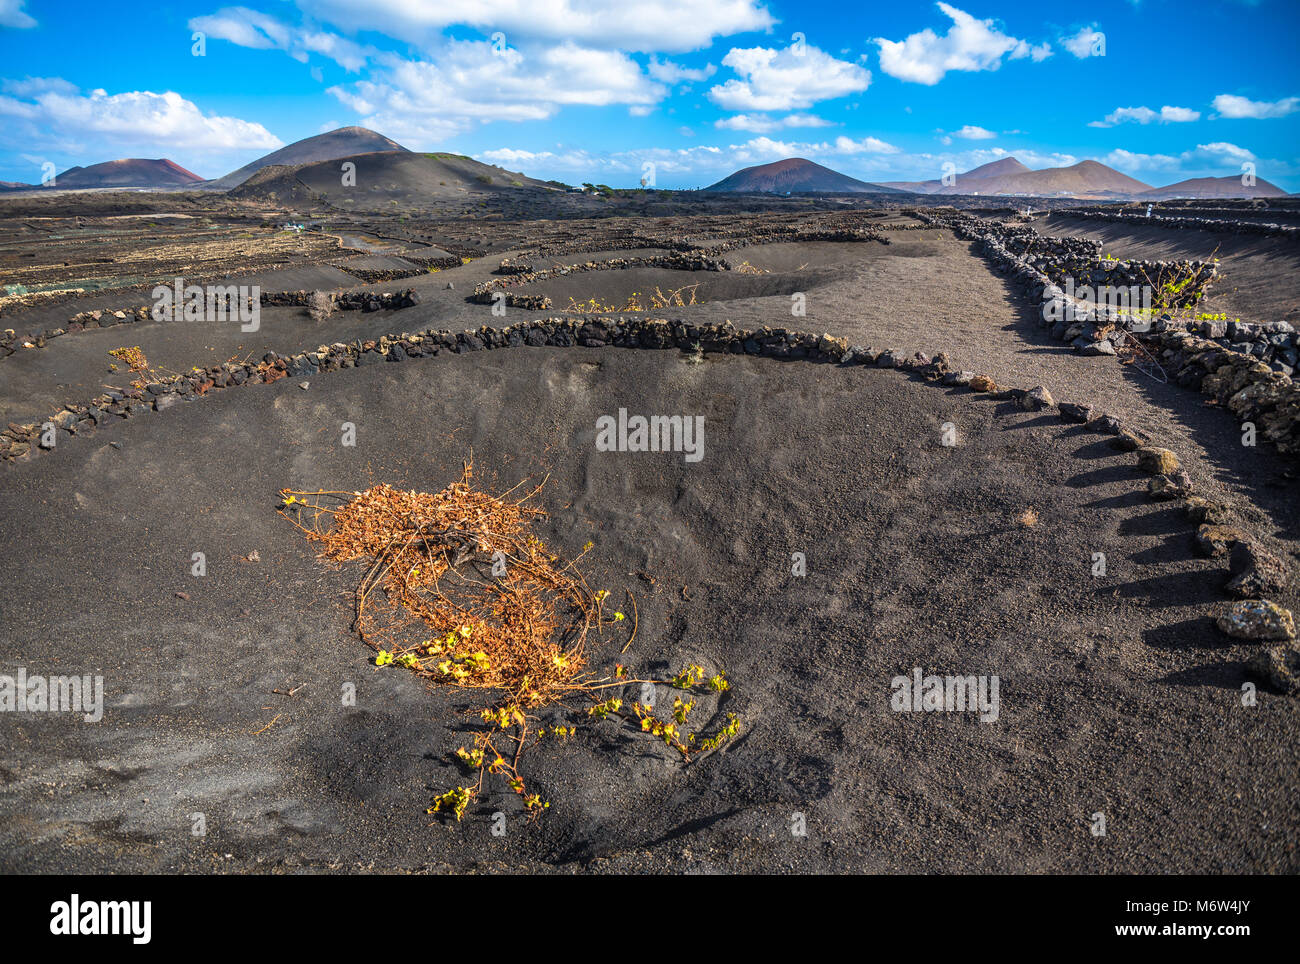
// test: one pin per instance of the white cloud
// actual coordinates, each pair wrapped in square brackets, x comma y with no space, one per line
[1232,106]
[762,148]
[1080,44]
[1035,52]
[1220,151]
[426,101]
[805,120]
[667,72]
[1218,155]
[247,28]
[1145,115]
[1142,115]
[754,123]
[868,145]
[646,25]
[250,28]
[345,53]
[1127,160]
[970,44]
[13,15]
[139,118]
[759,149]
[973,133]
[31,87]
[1038,161]
[509,157]
[763,124]
[795,77]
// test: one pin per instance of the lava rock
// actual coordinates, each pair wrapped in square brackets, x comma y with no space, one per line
[1037,399]
[1092,349]
[1257,620]
[1107,425]
[1256,572]
[1165,488]
[1126,441]
[1216,540]
[1200,509]
[1157,461]
[1279,667]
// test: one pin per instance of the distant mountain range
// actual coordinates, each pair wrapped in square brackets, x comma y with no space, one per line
[307,167]
[1087,180]
[1214,187]
[793,175]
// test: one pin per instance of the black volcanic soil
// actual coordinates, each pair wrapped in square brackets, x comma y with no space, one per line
[1117,696]
[924,292]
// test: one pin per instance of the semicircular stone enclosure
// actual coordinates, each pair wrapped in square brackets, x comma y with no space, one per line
[838,537]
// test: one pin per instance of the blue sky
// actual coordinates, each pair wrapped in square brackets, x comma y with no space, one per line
[596,90]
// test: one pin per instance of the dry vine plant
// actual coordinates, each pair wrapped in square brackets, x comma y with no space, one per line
[138,364]
[1177,295]
[676,298]
[460,592]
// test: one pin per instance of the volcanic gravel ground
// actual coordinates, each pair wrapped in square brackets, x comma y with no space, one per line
[1117,694]
[924,292]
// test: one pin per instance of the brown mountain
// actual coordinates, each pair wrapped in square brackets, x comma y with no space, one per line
[333,145]
[1007,176]
[1087,179]
[1213,187]
[381,177]
[1004,167]
[794,174]
[128,172]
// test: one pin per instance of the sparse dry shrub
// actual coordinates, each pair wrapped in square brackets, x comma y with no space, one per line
[682,297]
[458,590]
[320,305]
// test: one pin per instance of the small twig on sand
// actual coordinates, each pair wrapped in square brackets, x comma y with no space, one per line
[269,725]
[635,623]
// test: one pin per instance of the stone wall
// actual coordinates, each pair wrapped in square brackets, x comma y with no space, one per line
[1218,225]
[10,341]
[1246,368]
[346,300]
[518,273]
